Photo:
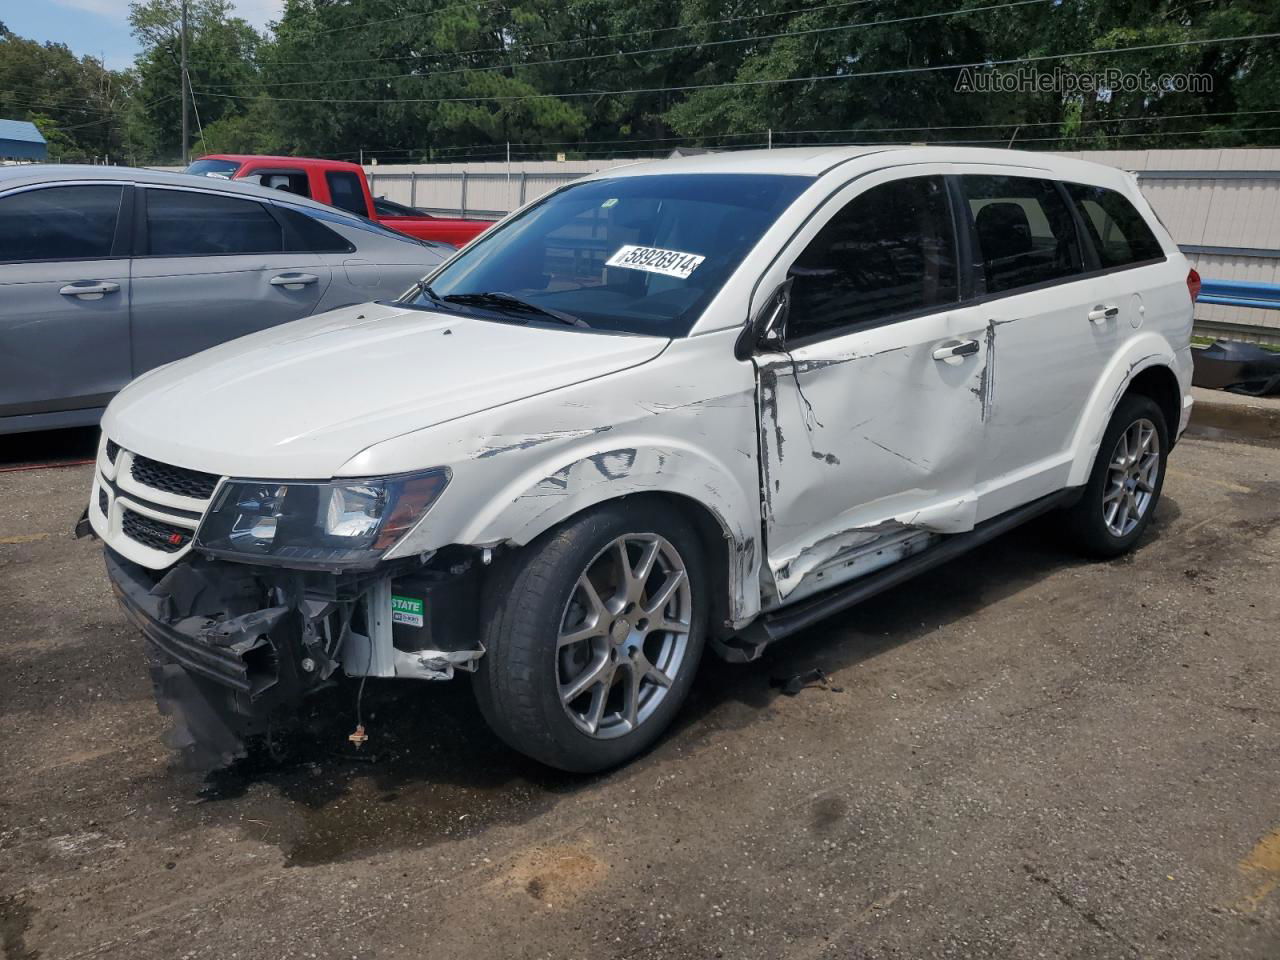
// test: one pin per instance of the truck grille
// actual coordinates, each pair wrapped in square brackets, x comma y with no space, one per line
[155,534]
[176,480]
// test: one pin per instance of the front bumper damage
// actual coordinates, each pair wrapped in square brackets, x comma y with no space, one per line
[233,649]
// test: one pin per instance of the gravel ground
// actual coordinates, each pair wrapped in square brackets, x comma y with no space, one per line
[1017,755]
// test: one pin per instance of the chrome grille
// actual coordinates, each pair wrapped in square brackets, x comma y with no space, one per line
[155,534]
[171,479]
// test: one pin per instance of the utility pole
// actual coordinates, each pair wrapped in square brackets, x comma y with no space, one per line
[186,92]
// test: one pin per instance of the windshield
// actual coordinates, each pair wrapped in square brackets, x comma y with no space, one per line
[634,254]
[214,168]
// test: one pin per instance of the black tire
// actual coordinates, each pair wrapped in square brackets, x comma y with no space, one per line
[518,682]
[1085,522]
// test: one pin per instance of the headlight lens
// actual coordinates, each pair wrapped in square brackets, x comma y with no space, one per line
[338,524]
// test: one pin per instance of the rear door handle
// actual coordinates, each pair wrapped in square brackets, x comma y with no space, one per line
[293,281]
[954,350]
[89,289]
[1100,313]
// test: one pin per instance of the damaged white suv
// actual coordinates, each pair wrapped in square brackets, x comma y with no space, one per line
[693,403]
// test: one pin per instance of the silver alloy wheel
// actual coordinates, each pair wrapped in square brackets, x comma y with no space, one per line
[1131,478]
[623,635]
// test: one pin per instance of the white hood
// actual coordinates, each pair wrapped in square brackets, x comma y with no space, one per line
[299,400]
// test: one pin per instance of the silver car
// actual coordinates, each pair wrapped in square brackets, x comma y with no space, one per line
[107,272]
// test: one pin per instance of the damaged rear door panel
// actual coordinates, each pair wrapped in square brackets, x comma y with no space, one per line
[872,416]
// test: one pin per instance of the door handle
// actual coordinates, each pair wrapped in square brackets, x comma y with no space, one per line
[293,281]
[1100,313]
[955,350]
[89,289]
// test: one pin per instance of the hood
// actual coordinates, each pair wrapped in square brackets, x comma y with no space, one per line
[299,400]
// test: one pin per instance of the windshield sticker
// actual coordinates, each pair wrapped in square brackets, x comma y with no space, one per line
[671,263]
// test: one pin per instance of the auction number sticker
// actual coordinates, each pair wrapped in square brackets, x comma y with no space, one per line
[671,263]
[407,610]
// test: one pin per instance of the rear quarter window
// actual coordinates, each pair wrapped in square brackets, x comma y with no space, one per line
[1120,234]
[345,192]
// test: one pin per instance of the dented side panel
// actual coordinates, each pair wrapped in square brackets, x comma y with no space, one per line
[683,427]
[865,436]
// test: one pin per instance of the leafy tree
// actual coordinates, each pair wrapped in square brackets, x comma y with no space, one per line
[221,55]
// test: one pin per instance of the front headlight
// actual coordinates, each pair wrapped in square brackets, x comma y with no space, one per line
[338,524]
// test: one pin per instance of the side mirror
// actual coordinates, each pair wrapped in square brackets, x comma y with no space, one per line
[765,331]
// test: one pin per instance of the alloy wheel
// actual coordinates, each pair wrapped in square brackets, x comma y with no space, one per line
[624,635]
[1132,474]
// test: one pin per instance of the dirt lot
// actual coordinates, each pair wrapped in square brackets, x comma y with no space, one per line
[1019,755]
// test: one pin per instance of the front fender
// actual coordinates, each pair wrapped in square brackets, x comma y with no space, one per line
[1147,349]
[682,425]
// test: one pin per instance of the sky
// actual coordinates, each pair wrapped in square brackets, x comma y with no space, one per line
[100,28]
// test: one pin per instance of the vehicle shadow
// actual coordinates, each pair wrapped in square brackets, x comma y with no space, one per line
[433,771]
[48,448]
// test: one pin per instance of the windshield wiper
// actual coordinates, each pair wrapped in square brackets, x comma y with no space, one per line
[505,301]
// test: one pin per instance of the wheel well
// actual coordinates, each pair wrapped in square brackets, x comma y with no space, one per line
[713,537]
[1161,385]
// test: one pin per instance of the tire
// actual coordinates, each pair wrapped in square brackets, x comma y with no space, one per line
[1090,523]
[543,593]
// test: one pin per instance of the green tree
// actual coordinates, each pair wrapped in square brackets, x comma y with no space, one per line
[221,55]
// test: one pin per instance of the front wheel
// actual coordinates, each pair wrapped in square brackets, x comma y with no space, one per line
[1128,476]
[593,634]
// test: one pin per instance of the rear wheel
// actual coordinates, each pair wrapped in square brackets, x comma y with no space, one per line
[594,633]
[1128,476]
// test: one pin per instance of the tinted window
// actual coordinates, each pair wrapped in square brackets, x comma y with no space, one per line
[59,223]
[1117,230]
[307,233]
[891,251]
[184,224]
[1024,230]
[643,254]
[345,192]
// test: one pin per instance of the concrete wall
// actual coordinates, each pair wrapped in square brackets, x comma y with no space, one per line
[1222,207]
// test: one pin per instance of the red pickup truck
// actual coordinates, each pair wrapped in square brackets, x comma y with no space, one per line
[341,185]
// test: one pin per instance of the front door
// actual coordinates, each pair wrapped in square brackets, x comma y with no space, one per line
[64,298]
[871,418]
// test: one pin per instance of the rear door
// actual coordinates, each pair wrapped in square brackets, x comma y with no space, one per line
[1047,331]
[64,297]
[213,267]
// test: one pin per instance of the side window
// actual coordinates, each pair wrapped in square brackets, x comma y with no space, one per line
[1024,231]
[344,189]
[290,181]
[1117,229]
[309,234]
[889,252]
[186,224]
[59,223]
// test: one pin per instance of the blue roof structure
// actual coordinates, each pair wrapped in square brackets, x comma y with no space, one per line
[20,140]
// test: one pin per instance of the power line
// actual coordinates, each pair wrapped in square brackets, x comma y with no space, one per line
[900,71]
[555,43]
[632,53]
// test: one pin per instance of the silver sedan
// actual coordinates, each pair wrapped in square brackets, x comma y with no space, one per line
[107,272]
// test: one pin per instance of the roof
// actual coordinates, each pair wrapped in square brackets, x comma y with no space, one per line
[32,173]
[302,162]
[20,130]
[817,161]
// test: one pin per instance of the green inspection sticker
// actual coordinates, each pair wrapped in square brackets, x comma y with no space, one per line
[407,610]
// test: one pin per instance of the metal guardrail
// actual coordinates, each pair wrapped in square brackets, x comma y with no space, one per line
[1241,293]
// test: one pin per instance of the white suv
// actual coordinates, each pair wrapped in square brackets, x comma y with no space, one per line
[696,402]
